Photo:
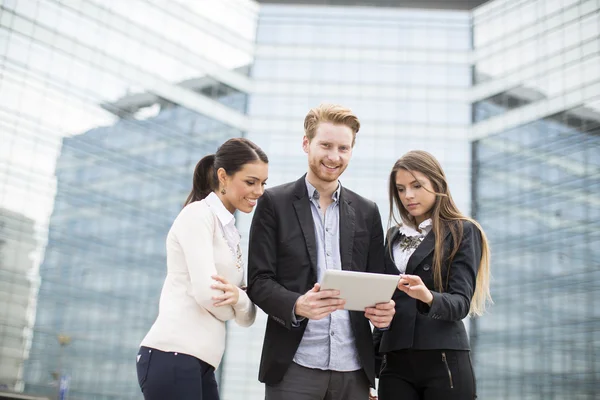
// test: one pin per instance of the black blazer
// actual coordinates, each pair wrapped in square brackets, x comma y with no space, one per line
[418,326]
[282,265]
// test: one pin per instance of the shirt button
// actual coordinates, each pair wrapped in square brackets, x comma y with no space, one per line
[328,254]
[332,334]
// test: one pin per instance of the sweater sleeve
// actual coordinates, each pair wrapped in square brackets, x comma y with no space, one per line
[194,230]
[245,310]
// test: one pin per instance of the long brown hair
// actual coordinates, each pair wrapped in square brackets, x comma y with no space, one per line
[445,217]
[231,156]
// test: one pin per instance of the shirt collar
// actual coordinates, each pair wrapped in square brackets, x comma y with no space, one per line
[313,193]
[215,203]
[424,226]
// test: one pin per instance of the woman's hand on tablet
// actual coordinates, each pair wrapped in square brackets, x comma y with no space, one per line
[413,286]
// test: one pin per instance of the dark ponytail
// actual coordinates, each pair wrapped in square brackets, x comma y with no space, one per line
[231,156]
[204,179]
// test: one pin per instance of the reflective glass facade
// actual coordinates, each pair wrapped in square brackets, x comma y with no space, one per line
[17,244]
[103,115]
[537,194]
[407,95]
[105,259]
[535,57]
[536,191]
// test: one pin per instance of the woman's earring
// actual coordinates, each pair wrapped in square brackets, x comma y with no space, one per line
[223,191]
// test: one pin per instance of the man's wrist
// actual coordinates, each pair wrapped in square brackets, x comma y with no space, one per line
[297,317]
[295,309]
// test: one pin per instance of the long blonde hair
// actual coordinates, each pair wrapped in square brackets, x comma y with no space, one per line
[445,216]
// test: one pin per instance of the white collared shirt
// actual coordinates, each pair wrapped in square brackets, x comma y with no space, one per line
[227,222]
[402,252]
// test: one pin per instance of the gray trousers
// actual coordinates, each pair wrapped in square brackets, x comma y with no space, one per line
[300,383]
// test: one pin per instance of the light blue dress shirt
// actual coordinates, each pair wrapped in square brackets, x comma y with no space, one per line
[328,343]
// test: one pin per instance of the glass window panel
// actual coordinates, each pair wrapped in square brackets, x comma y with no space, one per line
[6,19]
[48,14]
[39,57]
[591,70]
[4,41]
[417,112]
[590,26]
[458,39]
[22,25]
[18,50]
[26,9]
[388,37]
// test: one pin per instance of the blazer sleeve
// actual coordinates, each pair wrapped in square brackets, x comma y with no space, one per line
[194,230]
[390,268]
[455,303]
[245,310]
[377,336]
[263,288]
[375,262]
[388,252]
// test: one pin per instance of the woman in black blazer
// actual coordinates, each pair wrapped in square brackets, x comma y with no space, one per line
[443,258]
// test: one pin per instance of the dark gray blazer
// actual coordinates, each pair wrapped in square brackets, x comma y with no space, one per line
[282,265]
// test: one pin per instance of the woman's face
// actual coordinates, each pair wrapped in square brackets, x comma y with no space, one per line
[416,194]
[243,189]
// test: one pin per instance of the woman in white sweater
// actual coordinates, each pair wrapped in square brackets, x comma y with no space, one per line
[203,287]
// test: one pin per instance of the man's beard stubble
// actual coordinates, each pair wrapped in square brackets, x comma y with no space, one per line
[315,167]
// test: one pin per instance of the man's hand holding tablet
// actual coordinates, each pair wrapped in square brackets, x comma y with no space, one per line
[364,291]
[317,303]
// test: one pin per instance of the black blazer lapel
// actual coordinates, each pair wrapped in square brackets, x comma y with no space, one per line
[424,249]
[347,227]
[304,214]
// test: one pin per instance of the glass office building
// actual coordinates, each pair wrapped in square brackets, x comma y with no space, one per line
[536,191]
[103,115]
[105,259]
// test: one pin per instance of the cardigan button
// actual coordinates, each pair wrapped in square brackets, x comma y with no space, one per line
[426,267]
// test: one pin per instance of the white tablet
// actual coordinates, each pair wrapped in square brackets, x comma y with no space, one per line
[360,289]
